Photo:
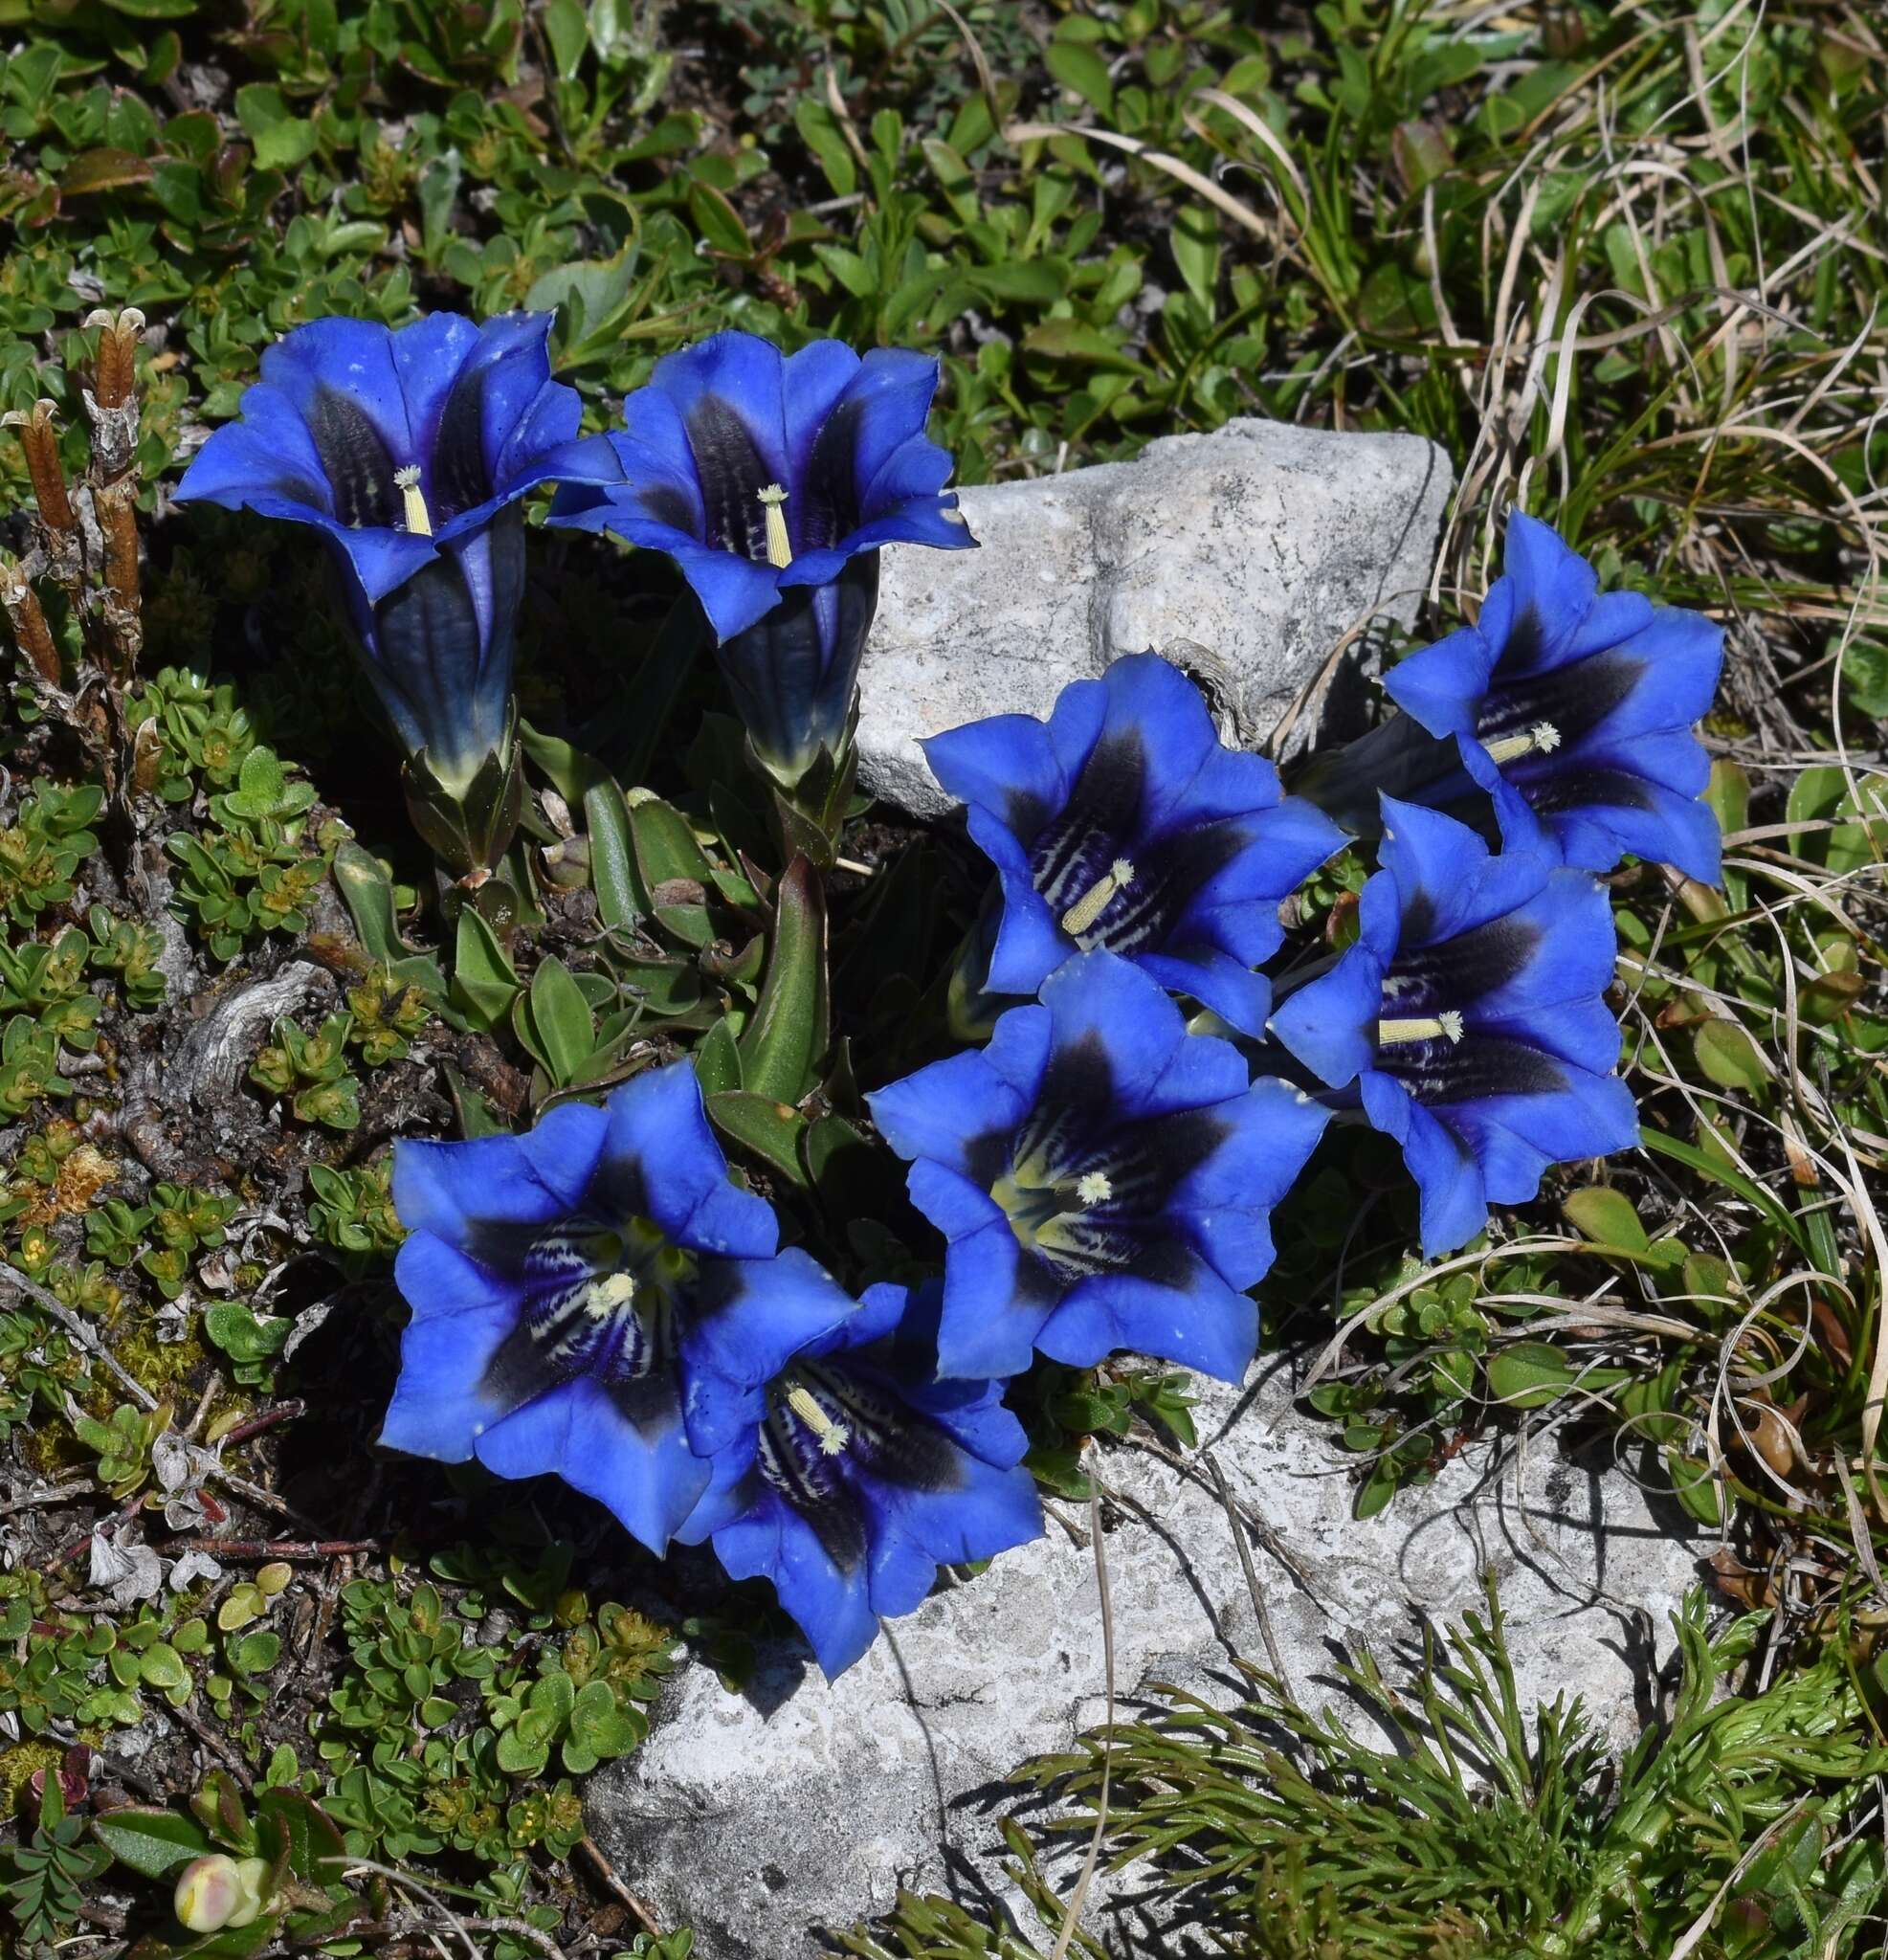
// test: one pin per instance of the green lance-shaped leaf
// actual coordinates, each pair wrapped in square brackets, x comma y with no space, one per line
[786,1041]
[554,1022]
[665,846]
[770,1129]
[368,894]
[485,981]
[613,856]
[150,1841]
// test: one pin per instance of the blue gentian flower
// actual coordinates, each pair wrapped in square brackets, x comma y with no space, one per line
[1122,824]
[863,1476]
[407,450]
[771,481]
[1469,1016]
[1582,700]
[596,1297]
[1103,1177]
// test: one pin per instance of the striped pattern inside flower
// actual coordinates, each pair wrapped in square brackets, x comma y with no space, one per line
[1526,717]
[827,1426]
[1086,1190]
[372,487]
[1111,882]
[1427,1037]
[599,1304]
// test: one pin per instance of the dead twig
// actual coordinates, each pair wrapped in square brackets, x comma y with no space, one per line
[1259,1601]
[85,1336]
[282,1412]
[261,1550]
[606,1872]
[214,1744]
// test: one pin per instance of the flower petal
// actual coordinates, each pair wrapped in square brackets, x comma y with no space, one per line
[1515,1138]
[462,1315]
[661,1161]
[729,391]
[628,1451]
[1330,1023]
[528,1179]
[1114,1025]
[1189,1315]
[1269,1134]
[945,1111]
[828,1595]
[1236,993]
[1680,656]
[751,1318]
[1452,1200]
[915,1528]
[267,456]
[1440,685]
[1005,765]
[1554,588]
[995,1296]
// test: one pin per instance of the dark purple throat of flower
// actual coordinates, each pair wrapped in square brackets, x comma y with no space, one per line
[599,1302]
[1426,1036]
[374,487]
[1084,1192]
[745,510]
[1108,887]
[1532,727]
[828,1426]
[1527,715]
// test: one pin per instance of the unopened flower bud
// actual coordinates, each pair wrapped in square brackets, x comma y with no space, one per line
[218,1891]
[208,1893]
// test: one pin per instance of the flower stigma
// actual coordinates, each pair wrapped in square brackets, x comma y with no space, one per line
[1445,1026]
[419,521]
[780,550]
[1543,736]
[833,1436]
[1094,901]
[1094,1188]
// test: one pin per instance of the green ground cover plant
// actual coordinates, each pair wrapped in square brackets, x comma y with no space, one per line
[1623,264]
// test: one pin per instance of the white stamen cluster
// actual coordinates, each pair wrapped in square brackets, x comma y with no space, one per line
[419,520]
[1445,1026]
[833,1436]
[609,1294]
[780,547]
[1543,736]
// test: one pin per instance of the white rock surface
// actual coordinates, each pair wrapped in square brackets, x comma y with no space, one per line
[1263,545]
[759,1819]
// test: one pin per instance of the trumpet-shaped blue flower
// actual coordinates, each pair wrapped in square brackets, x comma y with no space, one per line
[772,480]
[1582,700]
[405,450]
[1469,1015]
[1103,1179]
[1122,824]
[863,1476]
[596,1297]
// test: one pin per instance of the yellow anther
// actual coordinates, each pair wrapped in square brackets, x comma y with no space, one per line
[833,1436]
[780,549]
[1543,736]
[419,521]
[1094,1188]
[1094,901]
[1445,1026]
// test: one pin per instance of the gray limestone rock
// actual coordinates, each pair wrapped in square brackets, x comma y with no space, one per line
[759,1819]
[1248,556]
